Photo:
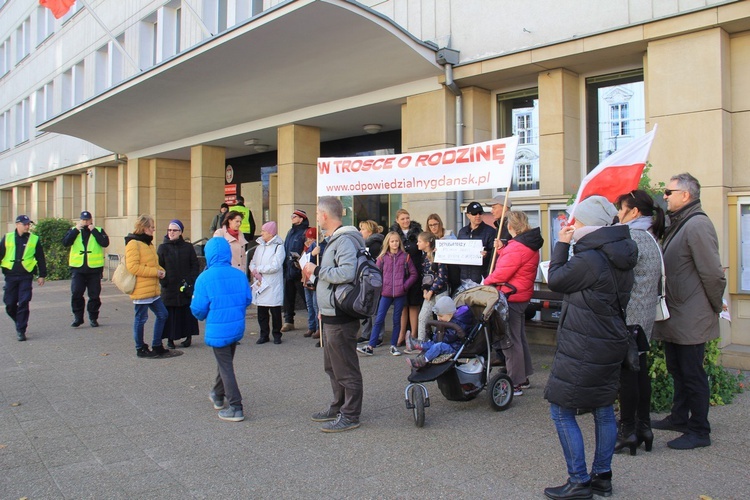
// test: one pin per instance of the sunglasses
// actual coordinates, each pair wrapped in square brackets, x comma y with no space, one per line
[668,192]
[173,230]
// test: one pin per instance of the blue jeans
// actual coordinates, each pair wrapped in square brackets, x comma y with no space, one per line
[141,316]
[432,349]
[571,441]
[311,299]
[383,306]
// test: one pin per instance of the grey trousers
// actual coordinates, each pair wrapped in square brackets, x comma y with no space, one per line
[341,363]
[518,357]
[226,382]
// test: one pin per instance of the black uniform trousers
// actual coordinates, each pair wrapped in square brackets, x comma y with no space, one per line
[82,281]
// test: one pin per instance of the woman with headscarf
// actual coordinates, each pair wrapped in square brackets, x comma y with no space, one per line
[266,268]
[230,231]
[592,340]
[178,259]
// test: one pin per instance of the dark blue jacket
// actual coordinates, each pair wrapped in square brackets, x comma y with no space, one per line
[221,296]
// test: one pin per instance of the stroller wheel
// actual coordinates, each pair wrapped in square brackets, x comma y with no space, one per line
[500,392]
[417,398]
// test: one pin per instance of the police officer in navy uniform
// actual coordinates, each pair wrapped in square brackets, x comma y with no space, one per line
[87,243]
[21,256]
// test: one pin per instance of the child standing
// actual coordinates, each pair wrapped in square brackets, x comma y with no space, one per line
[445,310]
[399,274]
[434,280]
[221,296]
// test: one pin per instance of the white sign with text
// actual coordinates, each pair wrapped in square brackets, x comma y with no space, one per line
[467,252]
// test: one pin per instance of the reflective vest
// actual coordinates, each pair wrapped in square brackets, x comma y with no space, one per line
[28,261]
[245,226]
[94,250]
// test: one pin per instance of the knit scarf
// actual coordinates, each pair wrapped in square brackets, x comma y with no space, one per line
[234,233]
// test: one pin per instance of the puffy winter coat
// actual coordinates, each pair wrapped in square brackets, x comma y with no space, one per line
[374,244]
[695,279]
[268,261]
[221,296]
[591,336]
[178,259]
[142,261]
[517,264]
[294,242]
[394,267]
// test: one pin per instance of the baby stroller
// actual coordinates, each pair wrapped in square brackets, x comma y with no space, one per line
[463,375]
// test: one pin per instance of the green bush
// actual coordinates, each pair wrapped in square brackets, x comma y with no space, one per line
[51,232]
[723,384]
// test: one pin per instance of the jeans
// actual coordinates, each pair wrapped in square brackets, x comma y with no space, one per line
[691,392]
[311,299]
[141,316]
[571,440]
[383,306]
[432,349]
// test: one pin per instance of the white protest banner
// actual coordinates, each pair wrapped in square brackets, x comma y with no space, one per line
[468,252]
[483,165]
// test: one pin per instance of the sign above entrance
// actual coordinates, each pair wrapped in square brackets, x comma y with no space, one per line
[485,165]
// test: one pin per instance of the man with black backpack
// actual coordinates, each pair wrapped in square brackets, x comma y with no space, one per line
[338,266]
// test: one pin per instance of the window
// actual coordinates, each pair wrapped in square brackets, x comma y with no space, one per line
[215,15]
[170,17]
[23,113]
[147,31]
[23,40]
[518,114]
[4,57]
[66,82]
[615,113]
[5,131]
[73,10]
[115,60]
[78,83]
[44,103]
[45,24]
[101,69]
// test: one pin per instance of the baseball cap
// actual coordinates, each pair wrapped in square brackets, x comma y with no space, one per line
[474,208]
[24,219]
[86,215]
[499,200]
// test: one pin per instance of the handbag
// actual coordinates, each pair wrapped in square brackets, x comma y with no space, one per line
[662,311]
[123,279]
[427,281]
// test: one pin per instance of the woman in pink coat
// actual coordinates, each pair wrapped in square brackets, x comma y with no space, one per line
[517,264]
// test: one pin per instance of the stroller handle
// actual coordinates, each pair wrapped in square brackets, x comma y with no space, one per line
[441,327]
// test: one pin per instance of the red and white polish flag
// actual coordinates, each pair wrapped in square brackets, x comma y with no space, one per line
[58,7]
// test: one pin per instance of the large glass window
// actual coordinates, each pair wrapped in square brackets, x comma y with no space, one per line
[23,40]
[518,114]
[615,113]
[45,24]
[4,57]
[23,113]
[5,131]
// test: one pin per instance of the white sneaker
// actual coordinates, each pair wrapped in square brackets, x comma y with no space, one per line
[395,351]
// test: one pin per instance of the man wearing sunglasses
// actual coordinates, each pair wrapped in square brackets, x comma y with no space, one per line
[21,256]
[694,290]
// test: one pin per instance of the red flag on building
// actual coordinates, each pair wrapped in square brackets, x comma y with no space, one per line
[619,173]
[58,7]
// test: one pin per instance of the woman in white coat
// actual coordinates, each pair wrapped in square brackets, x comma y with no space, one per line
[268,281]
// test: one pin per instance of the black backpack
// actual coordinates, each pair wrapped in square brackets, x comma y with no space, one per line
[360,298]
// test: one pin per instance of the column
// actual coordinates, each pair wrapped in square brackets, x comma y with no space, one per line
[299,149]
[206,187]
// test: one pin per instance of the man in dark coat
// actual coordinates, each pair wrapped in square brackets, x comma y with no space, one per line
[294,242]
[477,229]
[591,339]
[87,243]
[695,287]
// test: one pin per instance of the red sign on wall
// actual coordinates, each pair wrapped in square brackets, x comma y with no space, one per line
[230,189]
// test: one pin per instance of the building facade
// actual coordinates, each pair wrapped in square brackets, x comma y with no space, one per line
[171,107]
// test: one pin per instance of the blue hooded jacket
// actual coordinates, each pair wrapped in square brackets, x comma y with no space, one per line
[221,296]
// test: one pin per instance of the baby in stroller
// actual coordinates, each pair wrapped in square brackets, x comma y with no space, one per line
[445,310]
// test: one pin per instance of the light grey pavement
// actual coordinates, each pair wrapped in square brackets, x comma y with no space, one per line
[82,417]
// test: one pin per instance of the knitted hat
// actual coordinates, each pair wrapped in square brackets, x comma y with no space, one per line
[177,222]
[300,213]
[595,211]
[270,228]
[444,305]
[311,233]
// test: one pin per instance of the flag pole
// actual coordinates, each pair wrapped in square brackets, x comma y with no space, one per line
[111,36]
[499,229]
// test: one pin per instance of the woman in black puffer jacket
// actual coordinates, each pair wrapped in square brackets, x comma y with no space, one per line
[591,339]
[178,259]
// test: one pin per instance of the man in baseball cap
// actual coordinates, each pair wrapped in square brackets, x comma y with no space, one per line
[477,229]
[87,243]
[21,256]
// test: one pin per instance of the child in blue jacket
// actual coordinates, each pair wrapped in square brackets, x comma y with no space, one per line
[220,296]
[445,310]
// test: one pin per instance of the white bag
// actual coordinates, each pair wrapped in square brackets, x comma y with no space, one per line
[123,279]
[662,311]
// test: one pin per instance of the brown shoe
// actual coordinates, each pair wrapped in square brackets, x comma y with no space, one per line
[316,334]
[308,333]
[288,327]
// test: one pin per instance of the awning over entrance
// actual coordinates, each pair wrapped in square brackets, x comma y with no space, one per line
[301,54]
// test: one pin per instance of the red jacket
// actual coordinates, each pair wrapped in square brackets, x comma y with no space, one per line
[517,264]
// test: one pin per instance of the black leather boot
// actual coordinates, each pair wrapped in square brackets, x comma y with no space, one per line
[626,438]
[570,491]
[187,342]
[601,484]
[644,434]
